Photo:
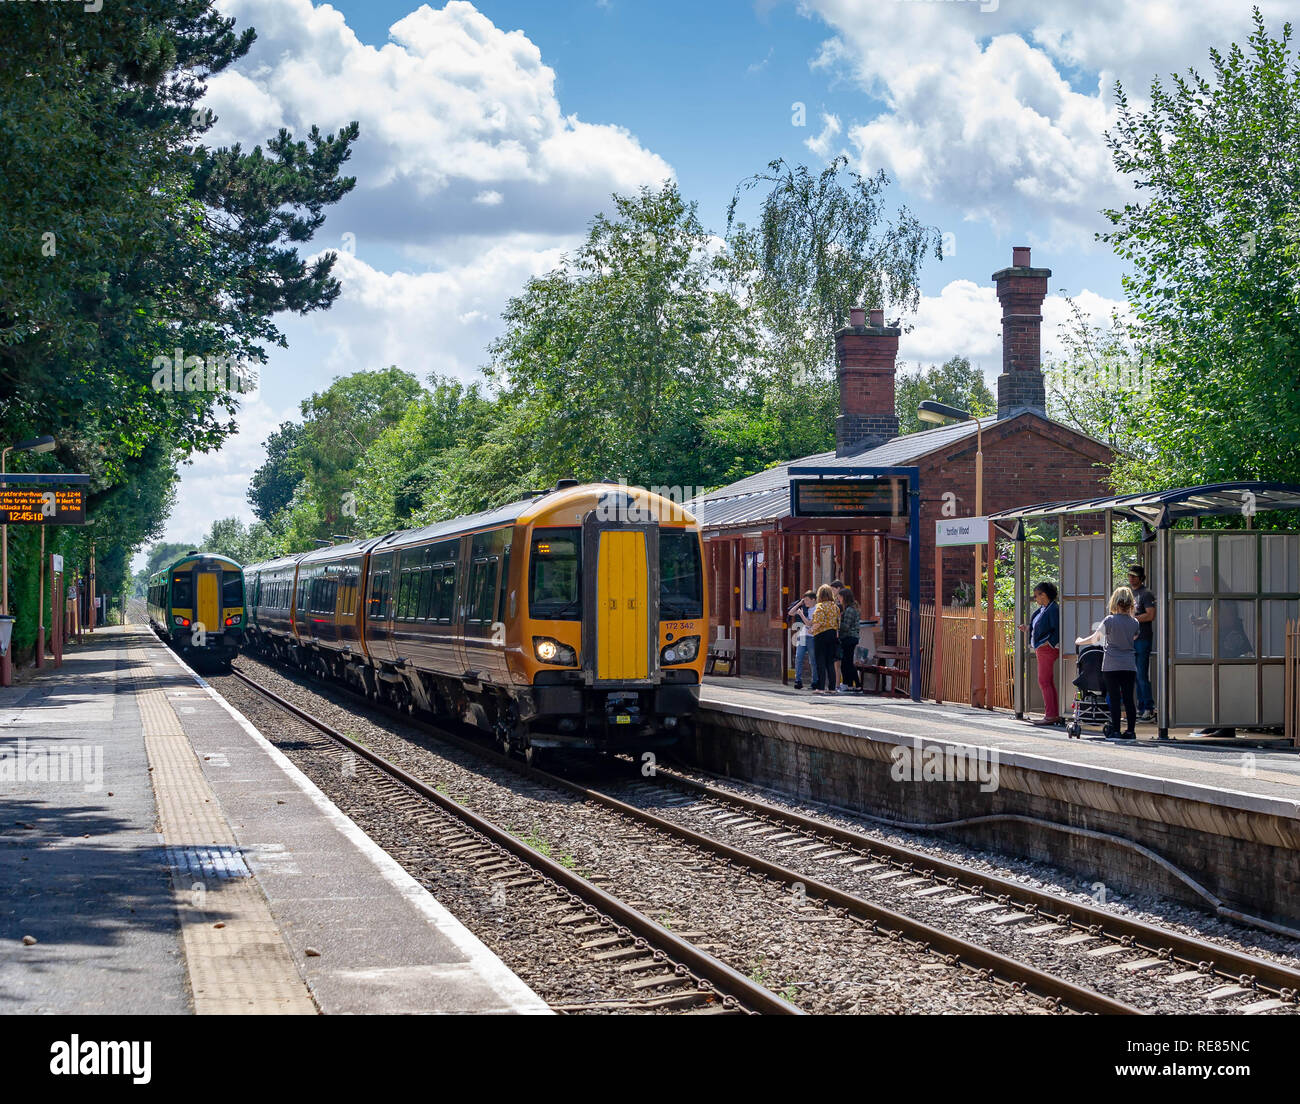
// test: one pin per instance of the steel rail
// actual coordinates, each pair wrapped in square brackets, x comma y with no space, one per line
[1197,953]
[728,980]
[974,955]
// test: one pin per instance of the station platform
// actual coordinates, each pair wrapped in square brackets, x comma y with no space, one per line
[1213,824]
[159,855]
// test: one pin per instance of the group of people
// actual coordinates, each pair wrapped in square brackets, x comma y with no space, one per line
[1126,636]
[828,626]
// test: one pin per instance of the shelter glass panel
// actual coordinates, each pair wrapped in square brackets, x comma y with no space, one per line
[1192,638]
[1280,560]
[1193,555]
[1237,553]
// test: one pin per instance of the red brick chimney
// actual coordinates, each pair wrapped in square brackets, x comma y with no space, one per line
[1021,290]
[865,355]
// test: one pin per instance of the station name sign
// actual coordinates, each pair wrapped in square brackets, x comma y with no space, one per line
[883,496]
[42,506]
[954,532]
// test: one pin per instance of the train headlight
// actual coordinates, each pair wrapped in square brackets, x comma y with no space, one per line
[549,650]
[183,622]
[680,651]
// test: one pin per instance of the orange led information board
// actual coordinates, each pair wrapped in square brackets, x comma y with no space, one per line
[42,506]
[883,497]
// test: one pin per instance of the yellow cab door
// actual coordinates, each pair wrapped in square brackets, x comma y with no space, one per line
[621,606]
[207,600]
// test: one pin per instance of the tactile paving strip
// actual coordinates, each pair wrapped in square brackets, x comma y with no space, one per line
[235,955]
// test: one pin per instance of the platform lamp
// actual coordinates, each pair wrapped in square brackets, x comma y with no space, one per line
[938,413]
[36,444]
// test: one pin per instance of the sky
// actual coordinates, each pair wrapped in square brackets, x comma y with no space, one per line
[493,131]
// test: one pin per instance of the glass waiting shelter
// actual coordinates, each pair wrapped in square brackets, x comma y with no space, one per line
[1225,592]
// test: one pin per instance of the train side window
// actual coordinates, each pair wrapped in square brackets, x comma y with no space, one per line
[505,584]
[379,597]
[482,589]
[406,595]
[427,580]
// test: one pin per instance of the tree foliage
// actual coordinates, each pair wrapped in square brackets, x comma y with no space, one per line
[125,239]
[1214,242]
[953,382]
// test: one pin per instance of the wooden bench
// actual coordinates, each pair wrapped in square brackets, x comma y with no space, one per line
[723,649]
[889,666]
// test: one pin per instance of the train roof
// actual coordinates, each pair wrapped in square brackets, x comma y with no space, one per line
[534,506]
[579,497]
[199,557]
[278,562]
[338,551]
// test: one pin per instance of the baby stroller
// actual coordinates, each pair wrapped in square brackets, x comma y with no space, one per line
[1090,703]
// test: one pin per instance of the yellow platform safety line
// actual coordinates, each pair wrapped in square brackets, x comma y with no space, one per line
[621,596]
[243,966]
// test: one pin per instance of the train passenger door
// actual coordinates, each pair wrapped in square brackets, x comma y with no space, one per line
[622,591]
[207,599]
[482,581]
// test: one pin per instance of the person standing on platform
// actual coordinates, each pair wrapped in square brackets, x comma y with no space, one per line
[826,635]
[801,617]
[1044,630]
[850,623]
[1118,635]
[1144,610]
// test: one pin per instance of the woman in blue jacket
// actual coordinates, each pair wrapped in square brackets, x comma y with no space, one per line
[1045,638]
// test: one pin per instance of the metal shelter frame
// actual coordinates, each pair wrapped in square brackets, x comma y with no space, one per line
[1217,659]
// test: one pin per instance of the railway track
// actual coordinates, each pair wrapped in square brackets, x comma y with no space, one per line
[675,974]
[1253,984]
[952,949]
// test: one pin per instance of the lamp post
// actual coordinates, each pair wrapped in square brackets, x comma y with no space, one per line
[36,444]
[938,413]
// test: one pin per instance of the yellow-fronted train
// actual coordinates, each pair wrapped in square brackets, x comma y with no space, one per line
[197,606]
[571,618]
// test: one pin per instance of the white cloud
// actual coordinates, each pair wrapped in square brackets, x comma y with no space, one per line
[1001,113]
[461,130]
[965,319]
[421,321]
[820,143]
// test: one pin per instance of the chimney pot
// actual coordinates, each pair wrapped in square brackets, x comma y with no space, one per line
[1020,256]
[878,316]
[857,316]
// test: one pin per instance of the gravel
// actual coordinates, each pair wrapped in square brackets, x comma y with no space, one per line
[822,961]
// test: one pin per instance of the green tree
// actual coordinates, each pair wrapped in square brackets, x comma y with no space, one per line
[1099,386]
[609,365]
[123,238]
[271,488]
[953,382]
[339,426]
[824,243]
[1212,237]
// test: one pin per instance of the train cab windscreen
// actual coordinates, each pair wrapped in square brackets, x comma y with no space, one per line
[681,593]
[555,575]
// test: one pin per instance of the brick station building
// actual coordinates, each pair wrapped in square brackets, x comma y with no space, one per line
[760,558]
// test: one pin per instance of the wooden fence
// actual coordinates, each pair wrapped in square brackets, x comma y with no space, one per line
[958,628]
[1291,681]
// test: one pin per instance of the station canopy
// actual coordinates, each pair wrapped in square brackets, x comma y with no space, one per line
[1160,509]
